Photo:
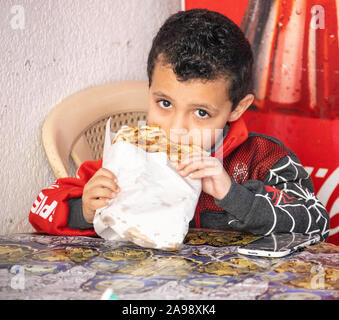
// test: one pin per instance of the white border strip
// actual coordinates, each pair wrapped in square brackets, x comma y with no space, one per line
[182,5]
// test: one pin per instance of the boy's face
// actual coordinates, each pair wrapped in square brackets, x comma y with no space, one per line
[192,111]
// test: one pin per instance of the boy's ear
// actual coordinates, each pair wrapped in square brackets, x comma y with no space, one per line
[242,106]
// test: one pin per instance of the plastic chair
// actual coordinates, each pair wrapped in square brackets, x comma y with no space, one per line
[75,128]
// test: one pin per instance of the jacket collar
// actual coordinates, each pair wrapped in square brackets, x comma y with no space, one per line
[236,134]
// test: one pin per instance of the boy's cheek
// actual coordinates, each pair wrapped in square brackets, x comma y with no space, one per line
[152,116]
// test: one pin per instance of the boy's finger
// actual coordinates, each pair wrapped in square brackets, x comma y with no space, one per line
[102,193]
[192,155]
[99,203]
[107,173]
[186,160]
[195,156]
[103,181]
[197,165]
[199,174]
[206,172]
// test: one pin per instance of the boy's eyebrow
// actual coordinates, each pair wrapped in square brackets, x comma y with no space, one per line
[198,105]
[204,106]
[161,94]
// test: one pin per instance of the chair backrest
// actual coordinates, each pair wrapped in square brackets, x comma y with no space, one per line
[75,127]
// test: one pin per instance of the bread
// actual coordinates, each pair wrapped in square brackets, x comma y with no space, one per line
[152,138]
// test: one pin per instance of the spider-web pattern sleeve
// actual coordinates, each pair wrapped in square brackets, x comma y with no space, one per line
[283,202]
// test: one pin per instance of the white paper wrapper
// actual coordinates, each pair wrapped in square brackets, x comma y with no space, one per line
[155,204]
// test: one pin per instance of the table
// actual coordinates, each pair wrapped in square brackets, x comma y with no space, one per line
[37,266]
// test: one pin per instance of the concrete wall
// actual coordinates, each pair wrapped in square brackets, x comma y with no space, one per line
[50,49]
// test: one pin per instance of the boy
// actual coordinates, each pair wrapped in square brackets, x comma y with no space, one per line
[199,71]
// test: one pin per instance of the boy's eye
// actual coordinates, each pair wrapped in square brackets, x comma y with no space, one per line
[164,104]
[202,113]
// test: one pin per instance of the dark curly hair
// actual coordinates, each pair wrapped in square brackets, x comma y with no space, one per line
[206,45]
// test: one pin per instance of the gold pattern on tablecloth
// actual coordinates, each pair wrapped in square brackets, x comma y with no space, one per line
[218,239]
[324,279]
[52,255]
[323,247]
[125,253]
[81,254]
[161,266]
[14,253]
[295,266]
[237,266]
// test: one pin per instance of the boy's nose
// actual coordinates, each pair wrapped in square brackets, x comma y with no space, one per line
[178,128]
[179,123]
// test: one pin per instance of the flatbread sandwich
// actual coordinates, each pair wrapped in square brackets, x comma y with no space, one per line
[152,138]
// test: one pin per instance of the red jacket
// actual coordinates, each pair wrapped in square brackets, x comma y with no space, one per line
[270,192]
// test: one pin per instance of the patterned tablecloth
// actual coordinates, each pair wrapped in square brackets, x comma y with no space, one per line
[35,266]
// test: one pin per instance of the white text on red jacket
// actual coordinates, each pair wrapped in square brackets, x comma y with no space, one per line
[42,209]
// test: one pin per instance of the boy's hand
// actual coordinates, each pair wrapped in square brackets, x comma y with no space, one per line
[101,188]
[215,180]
